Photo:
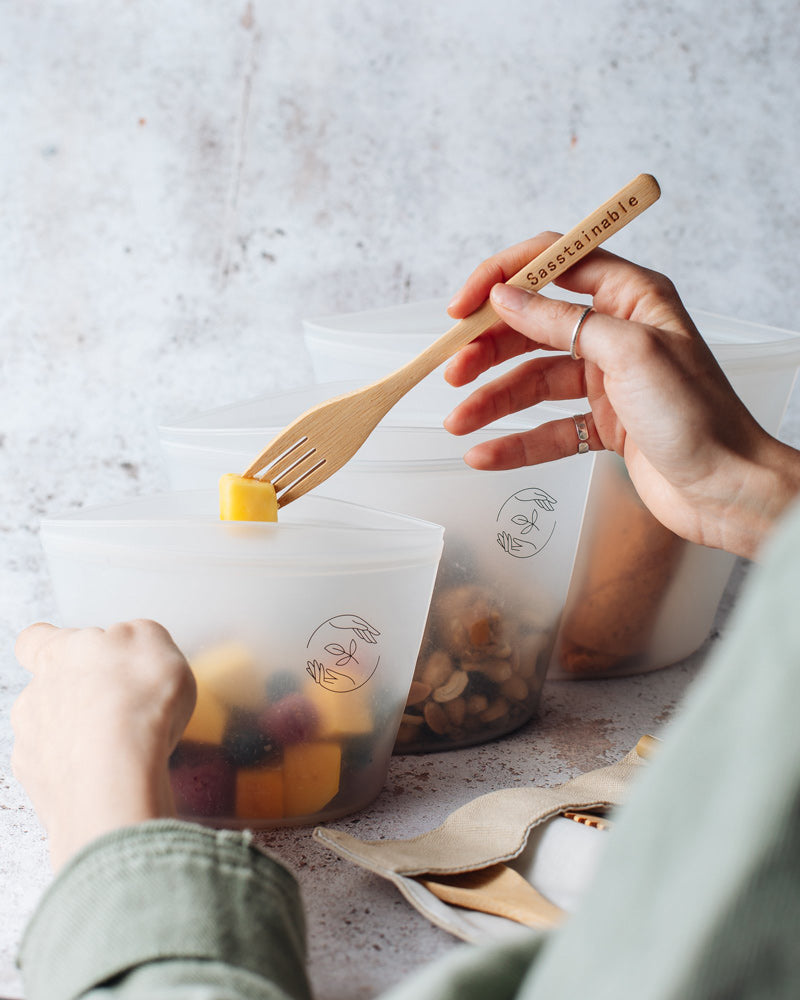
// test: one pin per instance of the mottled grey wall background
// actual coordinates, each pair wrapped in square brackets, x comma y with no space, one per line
[180,183]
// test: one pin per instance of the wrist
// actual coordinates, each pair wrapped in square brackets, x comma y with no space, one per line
[769,483]
[124,798]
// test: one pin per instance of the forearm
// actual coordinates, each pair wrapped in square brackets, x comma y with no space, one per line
[159,908]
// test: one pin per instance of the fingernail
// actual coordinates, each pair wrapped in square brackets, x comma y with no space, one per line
[510,297]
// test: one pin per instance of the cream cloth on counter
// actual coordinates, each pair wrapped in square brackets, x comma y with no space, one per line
[519,826]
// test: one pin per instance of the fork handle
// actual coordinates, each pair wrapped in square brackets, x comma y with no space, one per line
[567,250]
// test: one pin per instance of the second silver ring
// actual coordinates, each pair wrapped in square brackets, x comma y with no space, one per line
[582,431]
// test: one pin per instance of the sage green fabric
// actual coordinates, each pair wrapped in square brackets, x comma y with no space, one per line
[163,909]
[698,895]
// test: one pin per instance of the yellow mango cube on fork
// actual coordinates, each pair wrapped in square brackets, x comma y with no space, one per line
[242,498]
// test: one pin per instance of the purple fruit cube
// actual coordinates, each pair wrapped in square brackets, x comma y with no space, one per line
[203,781]
[293,719]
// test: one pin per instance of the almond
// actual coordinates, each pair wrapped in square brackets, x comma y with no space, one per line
[406,733]
[455,711]
[436,718]
[418,692]
[480,632]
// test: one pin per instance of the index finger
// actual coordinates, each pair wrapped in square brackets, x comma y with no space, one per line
[499,267]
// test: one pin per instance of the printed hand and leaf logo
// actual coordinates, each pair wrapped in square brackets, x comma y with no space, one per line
[508,543]
[329,678]
[332,653]
[527,526]
[316,670]
[542,500]
[346,654]
[526,523]
[362,629]
[533,494]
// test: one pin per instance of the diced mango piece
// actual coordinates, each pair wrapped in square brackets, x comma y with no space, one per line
[259,792]
[342,713]
[242,498]
[208,720]
[311,777]
[229,671]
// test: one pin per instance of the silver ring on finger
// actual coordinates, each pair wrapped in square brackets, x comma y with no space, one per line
[573,347]
[583,433]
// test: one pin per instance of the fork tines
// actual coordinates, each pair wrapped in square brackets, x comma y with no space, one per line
[292,474]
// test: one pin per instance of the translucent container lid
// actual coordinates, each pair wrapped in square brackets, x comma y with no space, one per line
[425,319]
[328,535]
[408,328]
[411,433]
[743,346]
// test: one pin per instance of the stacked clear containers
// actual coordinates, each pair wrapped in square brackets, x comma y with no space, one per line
[639,598]
[556,570]
[510,541]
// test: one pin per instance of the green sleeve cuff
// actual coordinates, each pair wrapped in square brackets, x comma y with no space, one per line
[165,891]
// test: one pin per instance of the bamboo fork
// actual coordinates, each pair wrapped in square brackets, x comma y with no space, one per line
[321,440]
[499,890]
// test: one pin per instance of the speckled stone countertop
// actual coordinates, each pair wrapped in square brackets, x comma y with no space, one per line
[183,183]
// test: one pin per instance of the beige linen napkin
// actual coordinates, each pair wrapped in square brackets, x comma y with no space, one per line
[521,827]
